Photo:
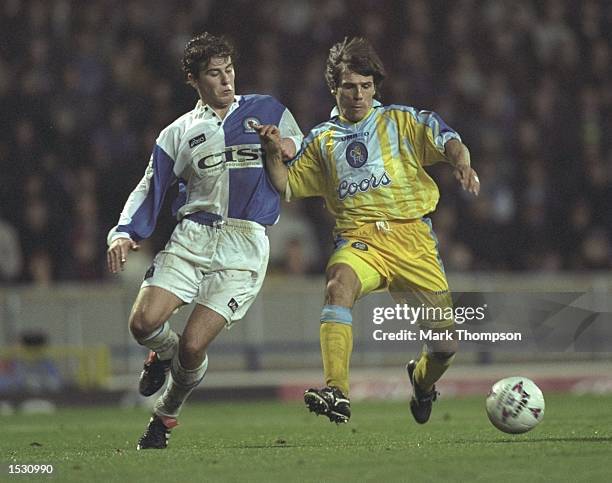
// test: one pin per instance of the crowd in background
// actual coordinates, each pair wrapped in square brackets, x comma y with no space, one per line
[85,87]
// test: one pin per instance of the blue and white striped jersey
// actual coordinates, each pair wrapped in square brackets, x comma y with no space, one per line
[217,163]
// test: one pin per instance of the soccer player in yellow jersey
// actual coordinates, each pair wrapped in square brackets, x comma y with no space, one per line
[368,162]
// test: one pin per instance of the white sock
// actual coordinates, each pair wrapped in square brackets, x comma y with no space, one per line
[164,341]
[182,382]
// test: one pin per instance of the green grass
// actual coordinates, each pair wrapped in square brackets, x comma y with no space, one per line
[282,442]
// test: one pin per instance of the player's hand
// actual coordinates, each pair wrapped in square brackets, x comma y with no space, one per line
[117,253]
[468,178]
[287,149]
[269,135]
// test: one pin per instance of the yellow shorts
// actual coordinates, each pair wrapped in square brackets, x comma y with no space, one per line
[400,256]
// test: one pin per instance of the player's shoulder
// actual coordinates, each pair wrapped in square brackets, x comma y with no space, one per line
[320,132]
[259,108]
[399,109]
[178,125]
[171,137]
[325,127]
[259,100]
[408,114]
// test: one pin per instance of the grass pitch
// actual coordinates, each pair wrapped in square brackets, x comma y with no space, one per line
[283,442]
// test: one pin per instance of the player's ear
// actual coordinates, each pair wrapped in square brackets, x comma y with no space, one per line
[191,80]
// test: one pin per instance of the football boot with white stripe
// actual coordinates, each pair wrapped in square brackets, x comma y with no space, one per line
[157,433]
[329,402]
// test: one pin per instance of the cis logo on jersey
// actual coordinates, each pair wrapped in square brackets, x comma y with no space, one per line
[356,154]
[246,123]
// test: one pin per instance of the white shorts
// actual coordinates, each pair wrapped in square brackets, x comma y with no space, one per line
[221,267]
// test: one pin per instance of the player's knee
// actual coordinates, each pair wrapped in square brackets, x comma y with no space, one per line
[192,353]
[339,292]
[334,289]
[142,323]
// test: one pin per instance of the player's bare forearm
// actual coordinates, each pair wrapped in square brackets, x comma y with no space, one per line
[271,142]
[277,172]
[458,155]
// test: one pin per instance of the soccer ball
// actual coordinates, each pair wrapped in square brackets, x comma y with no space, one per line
[515,405]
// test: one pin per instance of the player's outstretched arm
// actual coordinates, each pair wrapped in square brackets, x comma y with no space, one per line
[459,156]
[117,253]
[271,142]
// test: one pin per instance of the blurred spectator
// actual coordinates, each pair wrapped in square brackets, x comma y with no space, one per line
[10,253]
[293,246]
[527,83]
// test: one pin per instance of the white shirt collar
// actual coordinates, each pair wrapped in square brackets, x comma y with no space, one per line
[200,106]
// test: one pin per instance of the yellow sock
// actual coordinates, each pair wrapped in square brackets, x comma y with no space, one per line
[336,348]
[429,369]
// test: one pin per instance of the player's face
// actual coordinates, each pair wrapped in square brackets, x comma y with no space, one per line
[354,95]
[215,82]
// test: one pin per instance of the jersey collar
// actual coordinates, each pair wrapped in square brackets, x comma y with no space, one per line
[201,107]
[335,113]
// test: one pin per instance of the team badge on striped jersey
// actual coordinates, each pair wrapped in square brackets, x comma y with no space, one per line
[356,154]
[246,123]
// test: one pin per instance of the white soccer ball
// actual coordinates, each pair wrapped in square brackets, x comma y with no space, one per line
[515,405]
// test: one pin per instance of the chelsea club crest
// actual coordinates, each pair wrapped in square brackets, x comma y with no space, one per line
[246,123]
[356,154]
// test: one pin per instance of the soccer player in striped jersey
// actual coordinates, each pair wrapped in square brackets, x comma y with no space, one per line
[218,252]
[368,163]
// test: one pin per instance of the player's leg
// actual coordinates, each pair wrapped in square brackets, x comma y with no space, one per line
[224,296]
[336,337]
[425,371]
[188,368]
[433,291]
[190,364]
[423,280]
[348,277]
[438,353]
[172,281]
[148,324]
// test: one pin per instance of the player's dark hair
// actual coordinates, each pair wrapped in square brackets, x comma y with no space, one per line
[356,54]
[201,48]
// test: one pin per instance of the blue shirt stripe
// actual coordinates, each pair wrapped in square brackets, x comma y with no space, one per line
[145,218]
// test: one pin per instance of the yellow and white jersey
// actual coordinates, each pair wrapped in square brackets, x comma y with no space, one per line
[372,170]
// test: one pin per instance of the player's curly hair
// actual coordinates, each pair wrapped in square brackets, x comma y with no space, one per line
[201,48]
[358,55]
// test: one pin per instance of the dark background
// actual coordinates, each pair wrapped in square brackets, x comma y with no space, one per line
[85,87]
